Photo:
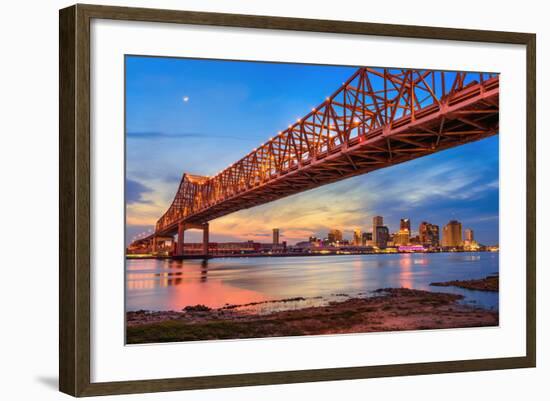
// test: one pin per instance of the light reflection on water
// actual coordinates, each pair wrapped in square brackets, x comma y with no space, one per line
[172,285]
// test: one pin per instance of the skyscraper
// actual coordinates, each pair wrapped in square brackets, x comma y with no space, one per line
[423,232]
[405,224]
[275,236]
[357,237]
[334,236]
[382,235]
[452,234]
[433,234]
[377,221]
[402,237]
[470,243]
[428,234]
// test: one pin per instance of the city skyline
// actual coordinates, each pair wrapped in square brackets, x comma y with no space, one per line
[337,234]
[163,135]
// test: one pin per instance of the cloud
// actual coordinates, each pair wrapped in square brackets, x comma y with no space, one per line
[479,219]
[416,184]
[135,191]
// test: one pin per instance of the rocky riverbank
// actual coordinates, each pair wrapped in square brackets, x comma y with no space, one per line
[489,283]
[390,309]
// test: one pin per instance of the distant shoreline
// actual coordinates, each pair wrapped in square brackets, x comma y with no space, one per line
[282,255]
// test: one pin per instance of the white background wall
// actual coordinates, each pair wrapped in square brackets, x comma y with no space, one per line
[28,200]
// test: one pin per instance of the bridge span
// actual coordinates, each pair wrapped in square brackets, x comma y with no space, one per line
[378,118]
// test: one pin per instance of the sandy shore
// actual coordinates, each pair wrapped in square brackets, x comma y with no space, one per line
[391,309]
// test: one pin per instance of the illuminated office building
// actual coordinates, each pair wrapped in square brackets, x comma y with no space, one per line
[275,236]
[428,234]
[357,237]
[382,236]
[452,234]
[334,236]
[377,221]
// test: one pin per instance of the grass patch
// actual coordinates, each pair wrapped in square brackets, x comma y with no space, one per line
[174,330]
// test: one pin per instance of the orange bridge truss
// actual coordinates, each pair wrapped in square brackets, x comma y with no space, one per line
[378,118]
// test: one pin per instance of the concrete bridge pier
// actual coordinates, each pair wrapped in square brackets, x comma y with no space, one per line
[182,226]
[205,238]
[181,241]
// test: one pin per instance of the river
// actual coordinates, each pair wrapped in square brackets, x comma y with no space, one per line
[158,285]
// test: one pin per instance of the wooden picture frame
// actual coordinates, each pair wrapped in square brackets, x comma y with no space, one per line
[75,207]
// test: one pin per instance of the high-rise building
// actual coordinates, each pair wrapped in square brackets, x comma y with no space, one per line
[452,234]
[428,234]
[402,237]
[382,235]
[275,236]
[334,236]
[470,243]
[366,238]
[423,232]
[377,221]
[357,237]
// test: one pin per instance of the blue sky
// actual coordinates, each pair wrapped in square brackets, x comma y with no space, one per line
[198,116]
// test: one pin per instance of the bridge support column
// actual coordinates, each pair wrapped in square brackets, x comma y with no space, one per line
[154,246]
[205,238]
[181,241]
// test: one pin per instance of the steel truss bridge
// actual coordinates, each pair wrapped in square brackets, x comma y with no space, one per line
[378,118]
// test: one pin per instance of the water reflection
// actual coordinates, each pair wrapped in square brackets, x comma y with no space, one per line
[172,285]
[405,262]
[204,270]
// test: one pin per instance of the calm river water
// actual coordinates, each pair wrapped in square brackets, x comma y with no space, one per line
[172,285]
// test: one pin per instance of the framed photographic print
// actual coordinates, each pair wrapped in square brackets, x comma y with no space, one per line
[250,200]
